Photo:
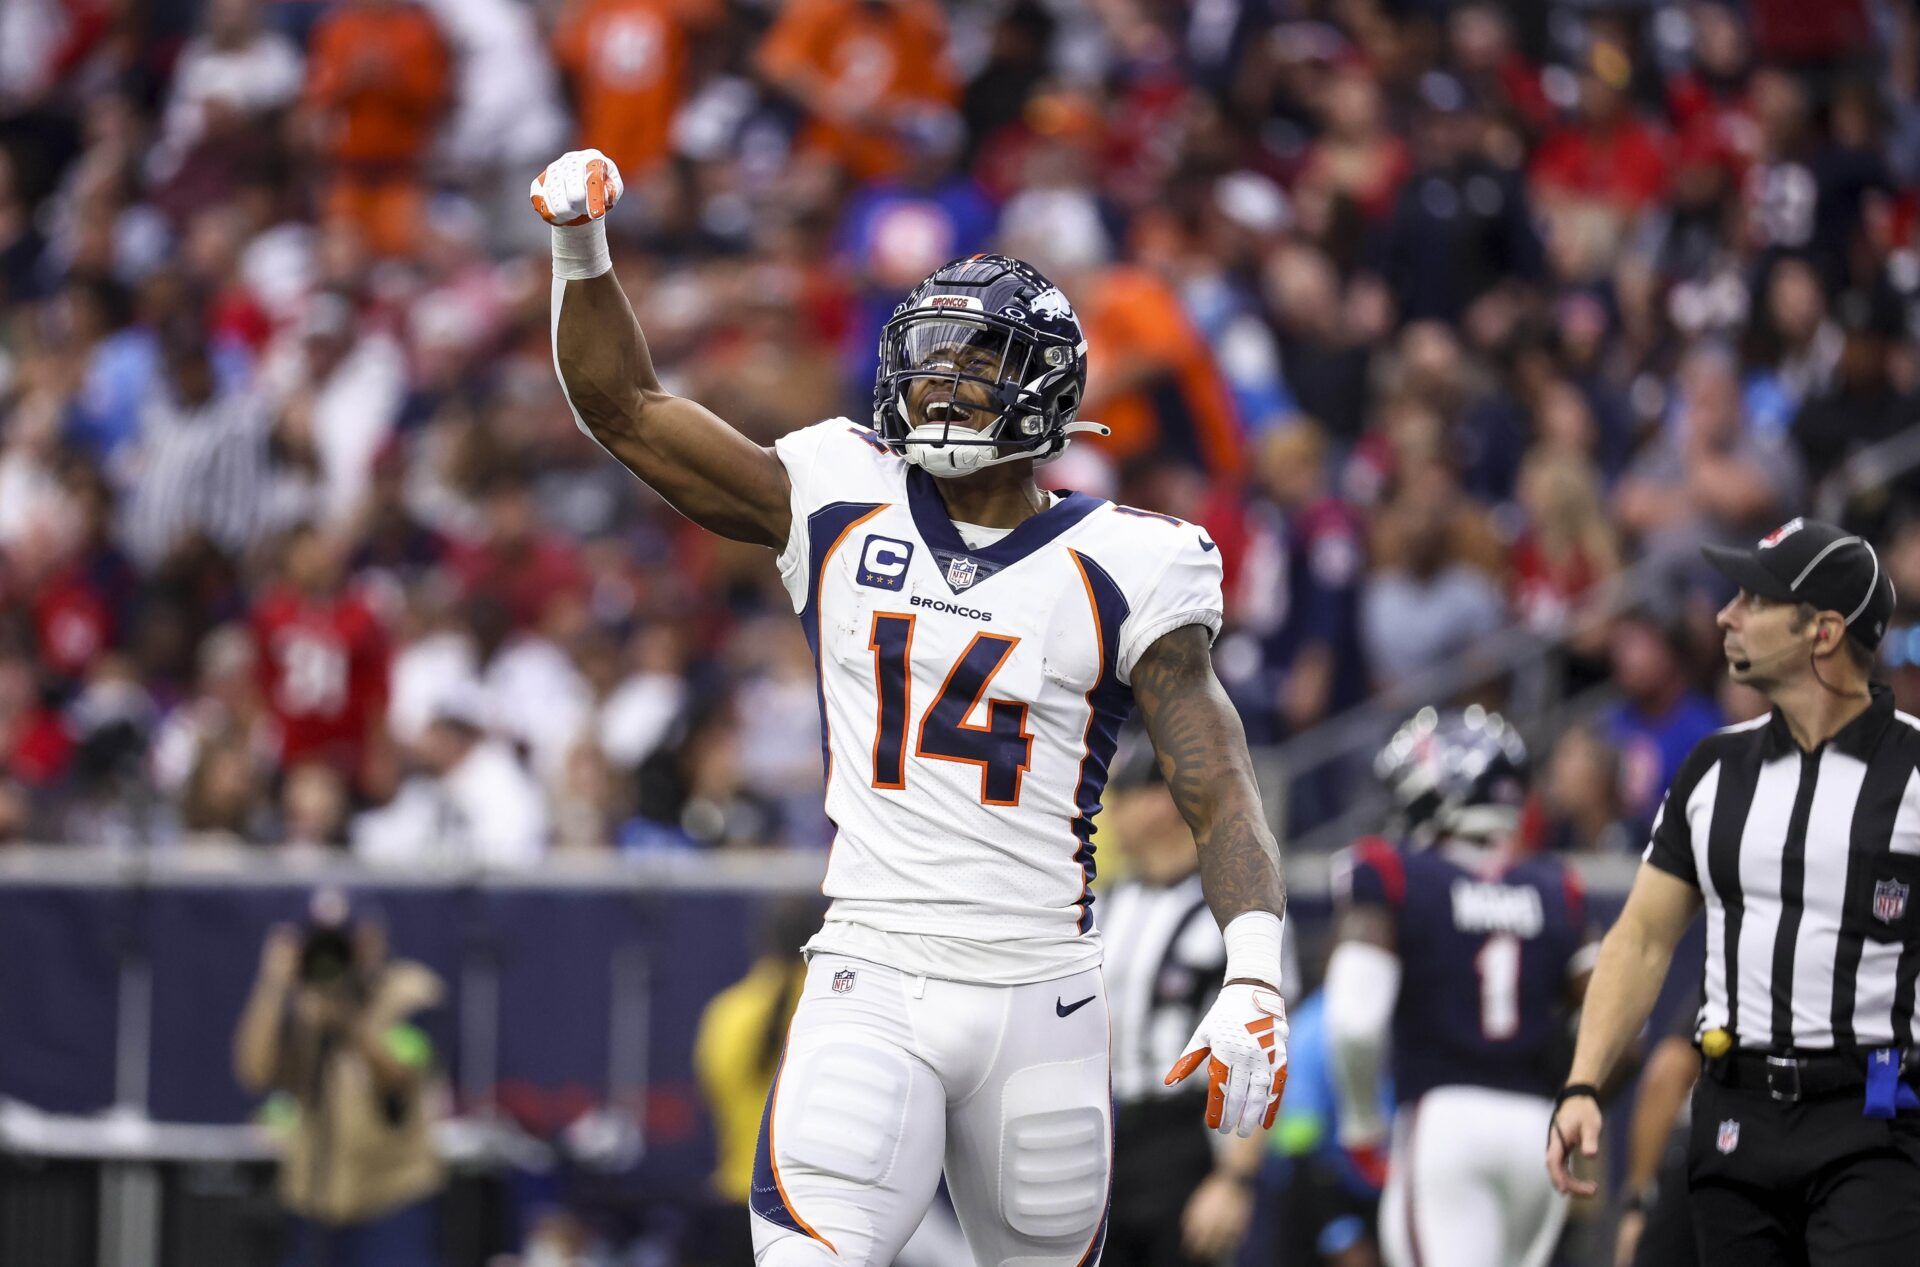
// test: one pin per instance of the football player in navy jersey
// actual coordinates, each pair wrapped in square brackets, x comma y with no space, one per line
[1458,963]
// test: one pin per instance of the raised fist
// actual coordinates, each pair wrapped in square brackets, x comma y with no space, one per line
[579,186]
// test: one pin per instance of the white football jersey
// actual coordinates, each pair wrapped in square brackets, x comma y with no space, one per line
[970,702]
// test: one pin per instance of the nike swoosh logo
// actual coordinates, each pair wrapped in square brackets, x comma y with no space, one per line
[1207,545]
[1068,1009]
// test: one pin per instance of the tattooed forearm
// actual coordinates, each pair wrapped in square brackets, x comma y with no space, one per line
[1203,754]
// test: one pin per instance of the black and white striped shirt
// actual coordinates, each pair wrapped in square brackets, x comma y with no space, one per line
[1809,864]
[1164,963]
[200,468]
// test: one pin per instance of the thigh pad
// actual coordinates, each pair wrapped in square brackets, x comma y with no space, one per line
[1056,1149]
[842,1109]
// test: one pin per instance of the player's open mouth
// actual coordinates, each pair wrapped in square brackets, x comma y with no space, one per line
[946,411]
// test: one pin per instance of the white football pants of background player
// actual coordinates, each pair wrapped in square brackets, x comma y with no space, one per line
[1465,1187]
[888,1078]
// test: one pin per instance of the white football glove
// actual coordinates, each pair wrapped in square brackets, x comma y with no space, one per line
[1243,1042]
[578,187]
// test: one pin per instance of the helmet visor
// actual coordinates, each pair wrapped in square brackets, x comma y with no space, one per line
[946,344]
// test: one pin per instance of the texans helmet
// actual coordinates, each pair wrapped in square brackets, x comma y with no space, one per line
[992,326]
[1454,776]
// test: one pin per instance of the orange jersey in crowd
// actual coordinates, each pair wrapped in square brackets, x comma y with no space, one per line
[380,72]
[628,63]
[871,60]
[1133,319]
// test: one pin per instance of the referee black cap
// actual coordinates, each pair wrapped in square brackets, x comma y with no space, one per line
[1807,561]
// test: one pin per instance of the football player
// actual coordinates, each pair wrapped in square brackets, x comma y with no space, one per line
[978,641]
[1457,964]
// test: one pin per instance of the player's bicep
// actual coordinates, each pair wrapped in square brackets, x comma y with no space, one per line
[707,470]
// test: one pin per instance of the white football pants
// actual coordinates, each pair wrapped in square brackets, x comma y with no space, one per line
[888,1078]
[1466,1186]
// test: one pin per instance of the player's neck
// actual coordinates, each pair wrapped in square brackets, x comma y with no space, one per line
[998,497]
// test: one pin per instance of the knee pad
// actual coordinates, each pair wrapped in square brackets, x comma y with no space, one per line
[795,1251]
[1056,1149]
[842,1109]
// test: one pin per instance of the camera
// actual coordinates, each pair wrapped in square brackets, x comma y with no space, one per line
[327,955]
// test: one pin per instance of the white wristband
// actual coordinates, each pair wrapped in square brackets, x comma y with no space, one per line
[1253,947]
[580,251]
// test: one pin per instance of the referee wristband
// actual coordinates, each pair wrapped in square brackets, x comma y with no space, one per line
[1576,1091]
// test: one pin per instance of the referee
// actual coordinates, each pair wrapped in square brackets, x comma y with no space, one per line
[1800,832]
[1179,1198]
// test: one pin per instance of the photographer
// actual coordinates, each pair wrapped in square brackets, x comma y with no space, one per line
[329,1023]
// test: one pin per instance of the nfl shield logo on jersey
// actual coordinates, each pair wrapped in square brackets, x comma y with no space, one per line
[960,572]
[843,981]
[1729,1137]
[1889,900]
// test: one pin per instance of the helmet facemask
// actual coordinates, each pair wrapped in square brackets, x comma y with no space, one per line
[947,367]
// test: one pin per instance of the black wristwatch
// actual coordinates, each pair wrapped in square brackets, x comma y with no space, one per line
[1641,1200]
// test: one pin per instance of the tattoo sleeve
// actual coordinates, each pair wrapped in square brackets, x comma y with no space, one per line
[1202,749]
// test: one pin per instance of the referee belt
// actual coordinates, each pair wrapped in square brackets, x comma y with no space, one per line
[1789,1078]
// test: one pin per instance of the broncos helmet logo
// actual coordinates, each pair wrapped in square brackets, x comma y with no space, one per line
[1051,304]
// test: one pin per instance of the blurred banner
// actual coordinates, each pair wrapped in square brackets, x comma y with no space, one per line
[568,993]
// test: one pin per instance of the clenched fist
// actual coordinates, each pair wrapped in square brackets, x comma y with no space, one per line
[578,187]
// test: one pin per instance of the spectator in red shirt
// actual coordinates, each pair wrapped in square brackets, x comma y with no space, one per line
[1357,158]
[1709,103]
[1606,158]
[521,562]
[1567,548]
[323,658]
[80,607]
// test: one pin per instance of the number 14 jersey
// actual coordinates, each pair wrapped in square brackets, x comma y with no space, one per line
[970,702]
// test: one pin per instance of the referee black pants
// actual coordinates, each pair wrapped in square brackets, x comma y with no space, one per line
[1805,1182]
[1161,1153]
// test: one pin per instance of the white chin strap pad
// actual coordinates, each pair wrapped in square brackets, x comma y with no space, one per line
[926,448]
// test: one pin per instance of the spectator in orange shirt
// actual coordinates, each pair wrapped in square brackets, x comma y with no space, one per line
[859,67]
[376,86]
[626,61]
[1154,379]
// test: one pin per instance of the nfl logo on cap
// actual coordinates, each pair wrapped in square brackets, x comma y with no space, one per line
[1729,1137]
[960,572]
[1781,533]
[843,981]
[1889,900]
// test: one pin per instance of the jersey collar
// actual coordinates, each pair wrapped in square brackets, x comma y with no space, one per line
[1858,738]
[937,530]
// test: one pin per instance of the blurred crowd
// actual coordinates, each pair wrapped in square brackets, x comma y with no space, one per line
[1439,316]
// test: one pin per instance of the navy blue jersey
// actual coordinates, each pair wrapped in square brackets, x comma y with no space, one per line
[1484,963]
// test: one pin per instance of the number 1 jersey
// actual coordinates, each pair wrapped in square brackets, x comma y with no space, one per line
[970,702]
